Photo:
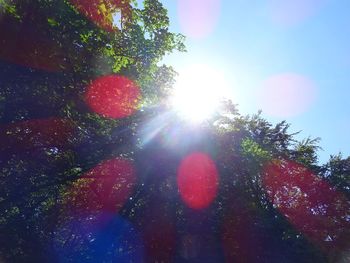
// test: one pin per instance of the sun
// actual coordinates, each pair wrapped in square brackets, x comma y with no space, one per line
[198,91]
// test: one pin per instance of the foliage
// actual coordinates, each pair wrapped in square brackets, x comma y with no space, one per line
[57,155]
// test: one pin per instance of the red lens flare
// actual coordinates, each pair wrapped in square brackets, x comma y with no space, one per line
[113,96]
[26,135]
[197,17]
[240,236]
[105,188]
[159,235]
[313,206]
[25,45]
[101,12]
[197,180]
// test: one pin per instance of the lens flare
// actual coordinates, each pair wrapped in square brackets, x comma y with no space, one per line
[104,12]
[113,96]
[198,17]
[26,45]
[159,233]
[197,180]
[240,234]
[102,238]
[27,135]
[286,95]
[313,206]
[105,187]
[292,12]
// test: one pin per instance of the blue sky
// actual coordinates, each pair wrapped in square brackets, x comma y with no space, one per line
[261,43]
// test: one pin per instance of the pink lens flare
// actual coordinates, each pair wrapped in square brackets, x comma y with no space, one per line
[292,12]
[286,95]
[198,18]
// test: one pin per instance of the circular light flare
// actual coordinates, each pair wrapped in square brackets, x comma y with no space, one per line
[106,187]
[310,203]
[26,45]
[286,95]
[36,133]
[198,180]
[159,235]
[103,12]
[113,96]
[239,234]
[198,18]
[292,12]
[104,237]
[198,92]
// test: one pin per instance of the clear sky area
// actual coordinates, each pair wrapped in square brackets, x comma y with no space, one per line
[291,59]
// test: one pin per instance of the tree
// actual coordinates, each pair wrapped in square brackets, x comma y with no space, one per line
[90,153]
[52,52]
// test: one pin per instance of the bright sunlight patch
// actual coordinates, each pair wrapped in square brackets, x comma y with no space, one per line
[198,92]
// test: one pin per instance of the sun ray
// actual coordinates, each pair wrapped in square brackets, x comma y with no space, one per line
[198,92]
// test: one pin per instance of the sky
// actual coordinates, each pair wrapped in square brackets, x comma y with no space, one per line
[289,58]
